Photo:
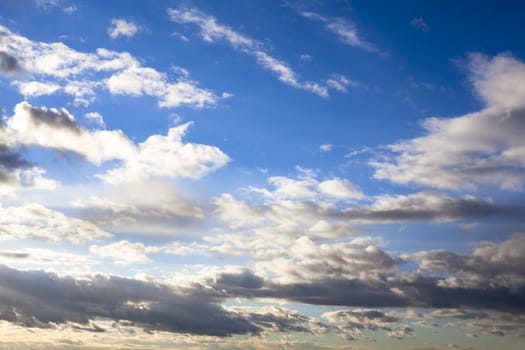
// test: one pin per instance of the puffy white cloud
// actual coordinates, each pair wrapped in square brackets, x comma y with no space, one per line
[36,88]
[168,156]
[58,129]
[121,27]
[55,67]
[96,118]
[485,147]
[157,156]
[38,222]
[340,188]
[123,252]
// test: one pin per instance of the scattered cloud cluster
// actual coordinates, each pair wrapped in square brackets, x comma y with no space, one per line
[56,68]
[158,156]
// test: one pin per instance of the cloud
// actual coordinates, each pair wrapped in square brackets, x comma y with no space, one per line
[123,252]
[157,156]
[343,28]
[491,264]
[480,148]
[57,68]
[352,323]
[420,24]
[96,118]
[212,31]
[168,156]
[121,27]
[35,221]
[9,64]
[340,188]
[44,300]
[160,210]
[327,147]
[293,207]
[57,129]
[424,206]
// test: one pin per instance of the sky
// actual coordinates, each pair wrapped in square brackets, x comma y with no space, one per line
[255,175]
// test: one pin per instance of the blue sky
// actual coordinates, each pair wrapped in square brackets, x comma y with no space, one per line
[286,174]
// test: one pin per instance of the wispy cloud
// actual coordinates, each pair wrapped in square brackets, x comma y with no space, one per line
[211,31]
[420,24]
[343,28]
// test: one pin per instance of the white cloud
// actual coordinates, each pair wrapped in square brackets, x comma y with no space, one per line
[162,209]
[36,88]
[168,156]
[121,27]
[123,252]
[212,31]
[55,68]
[327,147]
[158,156]
[485,147]
[70,9]
[38,222]
[96,118]
[344,29]
[58,129]
[340,188]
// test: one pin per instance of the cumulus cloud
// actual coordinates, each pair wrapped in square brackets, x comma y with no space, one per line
[293,207]
[168,156]
[491,264]
[343,28]
[96,118]
[157,156]
[57,68]
[121,27]
[211,31]
[38,222]
[123,252]
[58,129]
[480,148]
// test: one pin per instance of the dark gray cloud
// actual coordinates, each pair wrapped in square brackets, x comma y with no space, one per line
[424,206]
[9,64]
[52,117]
[42,299]
[491,277]
[393,291]
[10,160]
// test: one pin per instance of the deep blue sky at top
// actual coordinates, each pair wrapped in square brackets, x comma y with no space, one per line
[268,124]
